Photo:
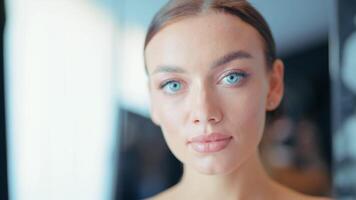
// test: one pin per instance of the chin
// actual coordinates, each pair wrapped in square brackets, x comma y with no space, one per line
[210,166]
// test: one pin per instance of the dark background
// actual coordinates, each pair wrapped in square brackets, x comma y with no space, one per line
[3,153]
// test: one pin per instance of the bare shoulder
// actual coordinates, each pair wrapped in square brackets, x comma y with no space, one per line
[288,193]
[300,196]
[316,198]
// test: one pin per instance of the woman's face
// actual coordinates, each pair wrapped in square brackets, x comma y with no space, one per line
[210,89]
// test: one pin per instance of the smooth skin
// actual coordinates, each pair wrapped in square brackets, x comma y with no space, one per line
[208,73]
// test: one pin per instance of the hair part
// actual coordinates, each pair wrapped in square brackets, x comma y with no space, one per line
[176,10]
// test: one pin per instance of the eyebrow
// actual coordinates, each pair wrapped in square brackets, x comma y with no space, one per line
[230,57]
[221,61]
[168,69]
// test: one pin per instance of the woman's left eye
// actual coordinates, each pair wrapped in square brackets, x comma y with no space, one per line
[233,78]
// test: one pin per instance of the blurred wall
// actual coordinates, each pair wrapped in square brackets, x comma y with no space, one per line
[343,73]
[61,109]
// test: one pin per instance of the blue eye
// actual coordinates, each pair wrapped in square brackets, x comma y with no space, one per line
[172,87]
[233,78]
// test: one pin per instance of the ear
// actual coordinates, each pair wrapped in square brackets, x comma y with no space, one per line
[276,85]
[153,111]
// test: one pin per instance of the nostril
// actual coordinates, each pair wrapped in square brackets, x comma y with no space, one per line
[213,120]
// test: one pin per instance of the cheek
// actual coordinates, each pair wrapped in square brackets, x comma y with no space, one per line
[169,114]
[252,115]
[171,119]
[173,135]
[245,112]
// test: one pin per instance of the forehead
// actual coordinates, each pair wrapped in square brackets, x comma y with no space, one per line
[201,39]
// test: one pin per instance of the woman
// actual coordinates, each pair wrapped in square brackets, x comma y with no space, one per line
[213,75]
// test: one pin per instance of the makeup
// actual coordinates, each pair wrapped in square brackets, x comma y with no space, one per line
[210,143]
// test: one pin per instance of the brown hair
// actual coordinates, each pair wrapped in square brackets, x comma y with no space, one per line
[176,10]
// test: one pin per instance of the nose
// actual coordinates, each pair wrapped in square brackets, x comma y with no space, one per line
[205,108]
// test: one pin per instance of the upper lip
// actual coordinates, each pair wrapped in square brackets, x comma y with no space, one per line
[212,137]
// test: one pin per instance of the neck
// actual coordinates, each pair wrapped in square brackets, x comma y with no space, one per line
[247,180]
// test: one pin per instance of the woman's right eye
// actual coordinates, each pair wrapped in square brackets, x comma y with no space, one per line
[171,87]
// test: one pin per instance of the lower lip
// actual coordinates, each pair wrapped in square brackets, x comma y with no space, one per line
[210,147]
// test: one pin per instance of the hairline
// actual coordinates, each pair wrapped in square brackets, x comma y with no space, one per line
[202,12]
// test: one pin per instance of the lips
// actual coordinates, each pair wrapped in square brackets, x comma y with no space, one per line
[209,143]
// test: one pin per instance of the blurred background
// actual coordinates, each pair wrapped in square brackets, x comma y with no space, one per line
[74,116]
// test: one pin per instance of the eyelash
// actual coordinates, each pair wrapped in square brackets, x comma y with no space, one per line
[242,76]
[166,83]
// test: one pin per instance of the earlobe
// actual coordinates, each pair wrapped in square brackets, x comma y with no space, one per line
[276,83]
